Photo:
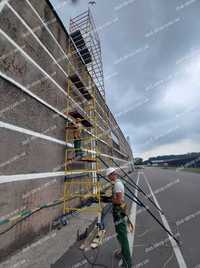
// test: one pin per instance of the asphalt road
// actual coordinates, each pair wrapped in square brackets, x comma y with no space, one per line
[177,193]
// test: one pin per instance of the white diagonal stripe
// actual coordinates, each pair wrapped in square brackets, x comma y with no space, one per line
[2,4]
[133,219]
[32,133]
[178,254]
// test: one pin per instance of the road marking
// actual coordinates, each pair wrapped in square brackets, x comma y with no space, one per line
[3,4]
[133,218]
[176,249]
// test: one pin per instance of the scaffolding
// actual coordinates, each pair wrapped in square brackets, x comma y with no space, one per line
[80,158]
[85,87]
[85,37]
[79,88]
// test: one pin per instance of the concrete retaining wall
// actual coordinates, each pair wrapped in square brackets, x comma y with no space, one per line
[27,62]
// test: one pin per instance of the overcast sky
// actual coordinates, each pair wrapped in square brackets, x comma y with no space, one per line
[151,57]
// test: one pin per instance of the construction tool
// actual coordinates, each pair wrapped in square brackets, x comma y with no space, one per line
[98,240]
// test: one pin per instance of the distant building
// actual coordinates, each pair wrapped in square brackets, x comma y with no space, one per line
[186,160]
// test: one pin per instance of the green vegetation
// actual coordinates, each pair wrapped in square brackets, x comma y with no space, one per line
[195,170]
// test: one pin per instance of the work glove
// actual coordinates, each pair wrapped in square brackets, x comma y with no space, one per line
[106,199]
[131,227]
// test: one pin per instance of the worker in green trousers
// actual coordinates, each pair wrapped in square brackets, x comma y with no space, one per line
[119,216]
[76,128]
[77,137]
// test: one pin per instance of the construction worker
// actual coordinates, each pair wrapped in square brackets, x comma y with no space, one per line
[119,215]
[77,138]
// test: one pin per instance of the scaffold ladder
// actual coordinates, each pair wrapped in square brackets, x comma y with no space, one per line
[76,189]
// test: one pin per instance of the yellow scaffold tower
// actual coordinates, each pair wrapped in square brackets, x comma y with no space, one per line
[83,130]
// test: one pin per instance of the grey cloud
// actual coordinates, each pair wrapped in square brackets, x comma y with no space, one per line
[144,114]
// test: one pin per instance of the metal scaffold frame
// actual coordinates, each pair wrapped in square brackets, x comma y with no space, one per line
[74,188]
[83,90]
[84,35]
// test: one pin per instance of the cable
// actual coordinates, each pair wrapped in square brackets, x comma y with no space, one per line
[29,215]
[141,204]
[133,184]
[94,263]
[88,260]
[12,226]
[53,204]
